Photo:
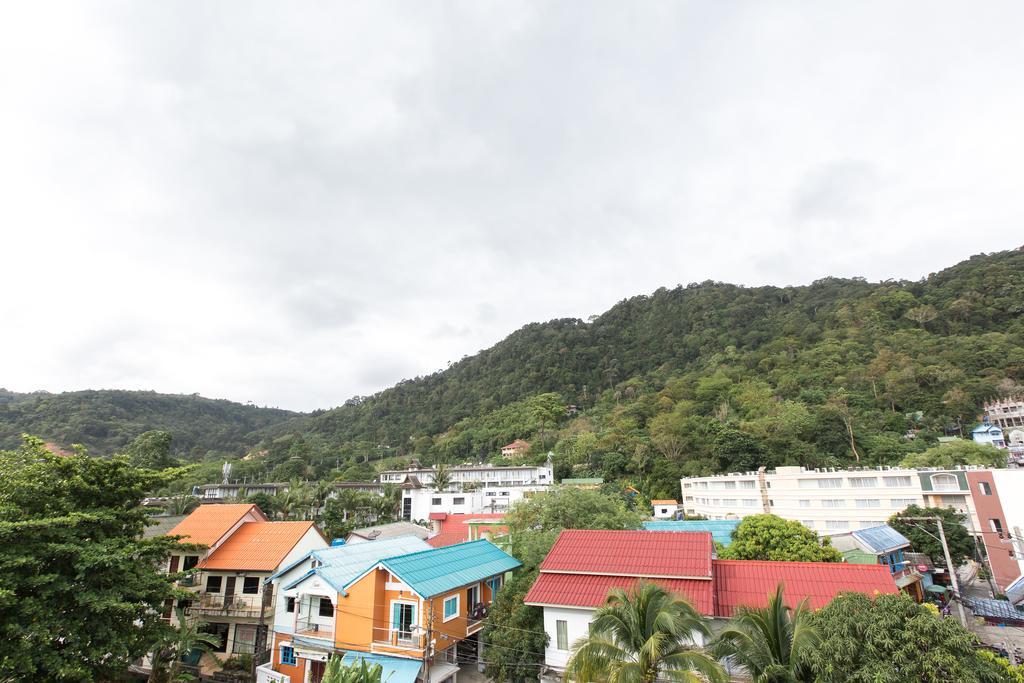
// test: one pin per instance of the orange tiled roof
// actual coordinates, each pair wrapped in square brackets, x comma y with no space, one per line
[667,501]
[257,546]
[208,523]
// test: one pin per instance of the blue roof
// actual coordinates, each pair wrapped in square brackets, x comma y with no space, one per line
[439,570]
[342,563]
[995,609]
[881,539]
[984,428]
[721,529]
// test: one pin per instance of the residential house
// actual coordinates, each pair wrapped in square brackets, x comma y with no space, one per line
[418,611]
[989,434]
[665,509]
[584,565]
[390,530]
[516,448]
[243,549]
[451,529]
[882,545]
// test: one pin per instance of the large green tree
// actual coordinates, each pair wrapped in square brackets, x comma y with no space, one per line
[953,454]
[642,636]
[924,536]
[81,592]
[771,644]
[892,639]
[152,450]
[768,537]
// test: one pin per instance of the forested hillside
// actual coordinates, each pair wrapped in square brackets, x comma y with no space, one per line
[105,421]
[713,376]
[702,378]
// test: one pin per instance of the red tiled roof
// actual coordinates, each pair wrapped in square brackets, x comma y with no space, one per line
[257,546]
[748,583]
[454,527]
[670,554]
[584,590]
[208,523]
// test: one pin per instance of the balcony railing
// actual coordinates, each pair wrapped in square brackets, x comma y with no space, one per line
[228,605]
[312,629]
[414,638]
[477,614]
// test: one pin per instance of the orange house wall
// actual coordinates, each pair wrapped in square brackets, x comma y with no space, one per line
[294,673]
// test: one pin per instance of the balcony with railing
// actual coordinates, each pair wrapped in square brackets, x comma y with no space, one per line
[475,618]
[311,627]
[389,640]
[219,604]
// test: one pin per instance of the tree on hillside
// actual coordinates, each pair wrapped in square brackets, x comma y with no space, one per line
[81,592]
[767,537]
[642,636]
[923,536]
[770,643]
[892,639]
[953,454]
[151,450]
[514,637]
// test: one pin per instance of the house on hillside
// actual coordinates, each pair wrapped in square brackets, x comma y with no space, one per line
[416,610]
[665,509]
[227,581]
[989,434]
[584,565]
[516,448]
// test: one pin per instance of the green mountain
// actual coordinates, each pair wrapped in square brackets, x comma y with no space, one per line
[107,420]
[702,378]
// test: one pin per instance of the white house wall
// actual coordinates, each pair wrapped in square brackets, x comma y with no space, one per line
[1010,487]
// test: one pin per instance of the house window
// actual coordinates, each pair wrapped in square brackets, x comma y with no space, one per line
[895,482]
[997,525]
[189,562]
[251,585]
[326,608]
[835,524]
[809,523]
[288,655]
[435,501]
[458,501]
[451,608]
[805,503]
[219,631]
[289,605]
[863,482]
[986,488]
[833,503]
[945,482]
[213,584]
[868,503]
[562,634]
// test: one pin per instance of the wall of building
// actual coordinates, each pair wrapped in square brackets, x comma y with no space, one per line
[1010,489]
[993,529]
[577,626]
[499,499]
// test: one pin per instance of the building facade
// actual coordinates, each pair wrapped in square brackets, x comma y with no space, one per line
[1005,412]
[420,502]
[487,476]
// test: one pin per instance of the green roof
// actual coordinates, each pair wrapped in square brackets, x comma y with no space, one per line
[858,556]
[585,480]
[440,570]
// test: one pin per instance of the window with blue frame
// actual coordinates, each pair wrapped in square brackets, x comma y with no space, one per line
[288,655]
[451,607]
[494,584]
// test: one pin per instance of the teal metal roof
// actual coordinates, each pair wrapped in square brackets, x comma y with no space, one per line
[721,529]
[439,570]
[342,563]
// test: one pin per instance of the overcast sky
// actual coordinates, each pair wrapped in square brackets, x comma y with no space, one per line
[293,203]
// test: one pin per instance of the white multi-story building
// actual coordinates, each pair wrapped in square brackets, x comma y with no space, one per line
[418,503]
[1006,412]
[828,501]
[477,475]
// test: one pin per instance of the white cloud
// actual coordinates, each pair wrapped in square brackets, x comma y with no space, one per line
[292,205]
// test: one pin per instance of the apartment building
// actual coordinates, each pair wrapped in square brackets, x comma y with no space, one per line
[838,501]
[827,501]
[1005,412]
[415,610]
[487,476]
[419,502]
[227,581]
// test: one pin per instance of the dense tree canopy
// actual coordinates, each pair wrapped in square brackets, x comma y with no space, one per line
[767,537]
[957,453]
[924,536]
[892,639]
[80,590]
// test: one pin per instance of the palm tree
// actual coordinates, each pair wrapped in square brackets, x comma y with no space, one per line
[770,642]
[442,477]
[643,636]
[179,642]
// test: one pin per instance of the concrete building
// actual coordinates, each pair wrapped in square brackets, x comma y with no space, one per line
[516,448]
[1005,412]
[475,475]
[665,509]
[989,435]
[826,500]
[419,502]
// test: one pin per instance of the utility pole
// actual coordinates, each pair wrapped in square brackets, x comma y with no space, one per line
[949,564]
